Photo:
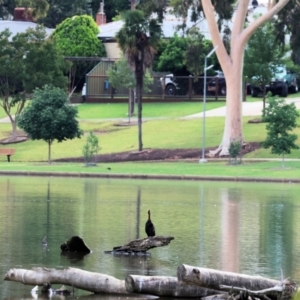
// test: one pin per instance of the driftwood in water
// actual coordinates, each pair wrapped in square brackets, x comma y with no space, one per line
[89,281]
[143,245]
[165,286]
[213,278]
[75,244]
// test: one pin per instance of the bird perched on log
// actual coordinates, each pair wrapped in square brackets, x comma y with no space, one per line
[149,227]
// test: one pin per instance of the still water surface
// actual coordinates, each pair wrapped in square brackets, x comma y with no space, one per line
[251,228]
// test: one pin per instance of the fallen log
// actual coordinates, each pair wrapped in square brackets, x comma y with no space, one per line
[88,281]
[285,290]
[142,245]
[165,286]
[213,278]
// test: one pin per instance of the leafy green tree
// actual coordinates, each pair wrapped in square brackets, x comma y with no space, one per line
[7,8]
[282,119]
[288,21]
[120,74]
[138,39]
[197,48]
[49,117]
[27,61]
[154,6]
[36,8]
[183,56]
[112,8]
[263,57]
[61,10]
[91,148]
[235,150]
[172,58]
[77,36]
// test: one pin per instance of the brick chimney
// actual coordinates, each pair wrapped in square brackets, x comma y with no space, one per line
[21,14]
[101,17]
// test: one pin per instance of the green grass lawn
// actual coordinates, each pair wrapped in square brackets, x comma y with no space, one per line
[219,169]
[165,133]
[150,110]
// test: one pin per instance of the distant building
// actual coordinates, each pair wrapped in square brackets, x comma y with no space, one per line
[169,28]
[20,23]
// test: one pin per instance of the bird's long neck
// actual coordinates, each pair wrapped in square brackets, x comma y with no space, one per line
[149,217]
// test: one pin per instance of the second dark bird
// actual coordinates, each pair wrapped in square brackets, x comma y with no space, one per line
[149,227]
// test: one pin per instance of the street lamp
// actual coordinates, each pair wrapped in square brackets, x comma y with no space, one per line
[203,160]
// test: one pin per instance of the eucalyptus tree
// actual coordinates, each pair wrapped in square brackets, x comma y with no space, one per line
[138,39]
[231,60]
[288,21]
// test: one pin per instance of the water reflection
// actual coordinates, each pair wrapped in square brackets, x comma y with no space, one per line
[248,228]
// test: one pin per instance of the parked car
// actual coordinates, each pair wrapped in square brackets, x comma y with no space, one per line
[169,85]
[217,85]
[283,83]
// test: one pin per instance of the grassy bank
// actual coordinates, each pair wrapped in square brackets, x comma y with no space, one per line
[114,136]
[270,169]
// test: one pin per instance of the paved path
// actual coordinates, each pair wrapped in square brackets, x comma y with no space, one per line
[249,109]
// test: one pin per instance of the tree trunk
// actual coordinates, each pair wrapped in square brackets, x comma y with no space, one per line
[49,151]
[212,279]
[142,245]
[139,75]
[89,281]
[166,287]
[14,128]
[232,64]
[282,160]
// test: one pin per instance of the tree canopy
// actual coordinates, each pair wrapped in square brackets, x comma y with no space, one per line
[263,57]
[27,61]
[77,36]
[184,55]
[49,117]
[282,119]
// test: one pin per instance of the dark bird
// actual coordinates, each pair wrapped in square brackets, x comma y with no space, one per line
[149,227]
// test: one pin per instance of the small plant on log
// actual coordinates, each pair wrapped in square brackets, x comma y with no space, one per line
[91,149]
[235,151]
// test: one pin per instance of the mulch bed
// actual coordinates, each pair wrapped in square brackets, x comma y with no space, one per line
[155,155]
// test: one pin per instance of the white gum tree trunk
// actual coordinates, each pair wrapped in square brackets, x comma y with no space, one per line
[232,63]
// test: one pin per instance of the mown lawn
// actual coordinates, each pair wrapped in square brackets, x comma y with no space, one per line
[162,133]
[217,169]
[150,110]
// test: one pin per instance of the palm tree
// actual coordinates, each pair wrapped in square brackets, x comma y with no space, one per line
[138,39]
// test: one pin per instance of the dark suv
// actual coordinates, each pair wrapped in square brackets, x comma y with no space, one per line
[284,82]
[217,85]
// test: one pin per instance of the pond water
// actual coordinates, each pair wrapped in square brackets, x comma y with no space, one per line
[251,228]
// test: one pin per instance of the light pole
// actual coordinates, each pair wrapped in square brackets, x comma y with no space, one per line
[203,160]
